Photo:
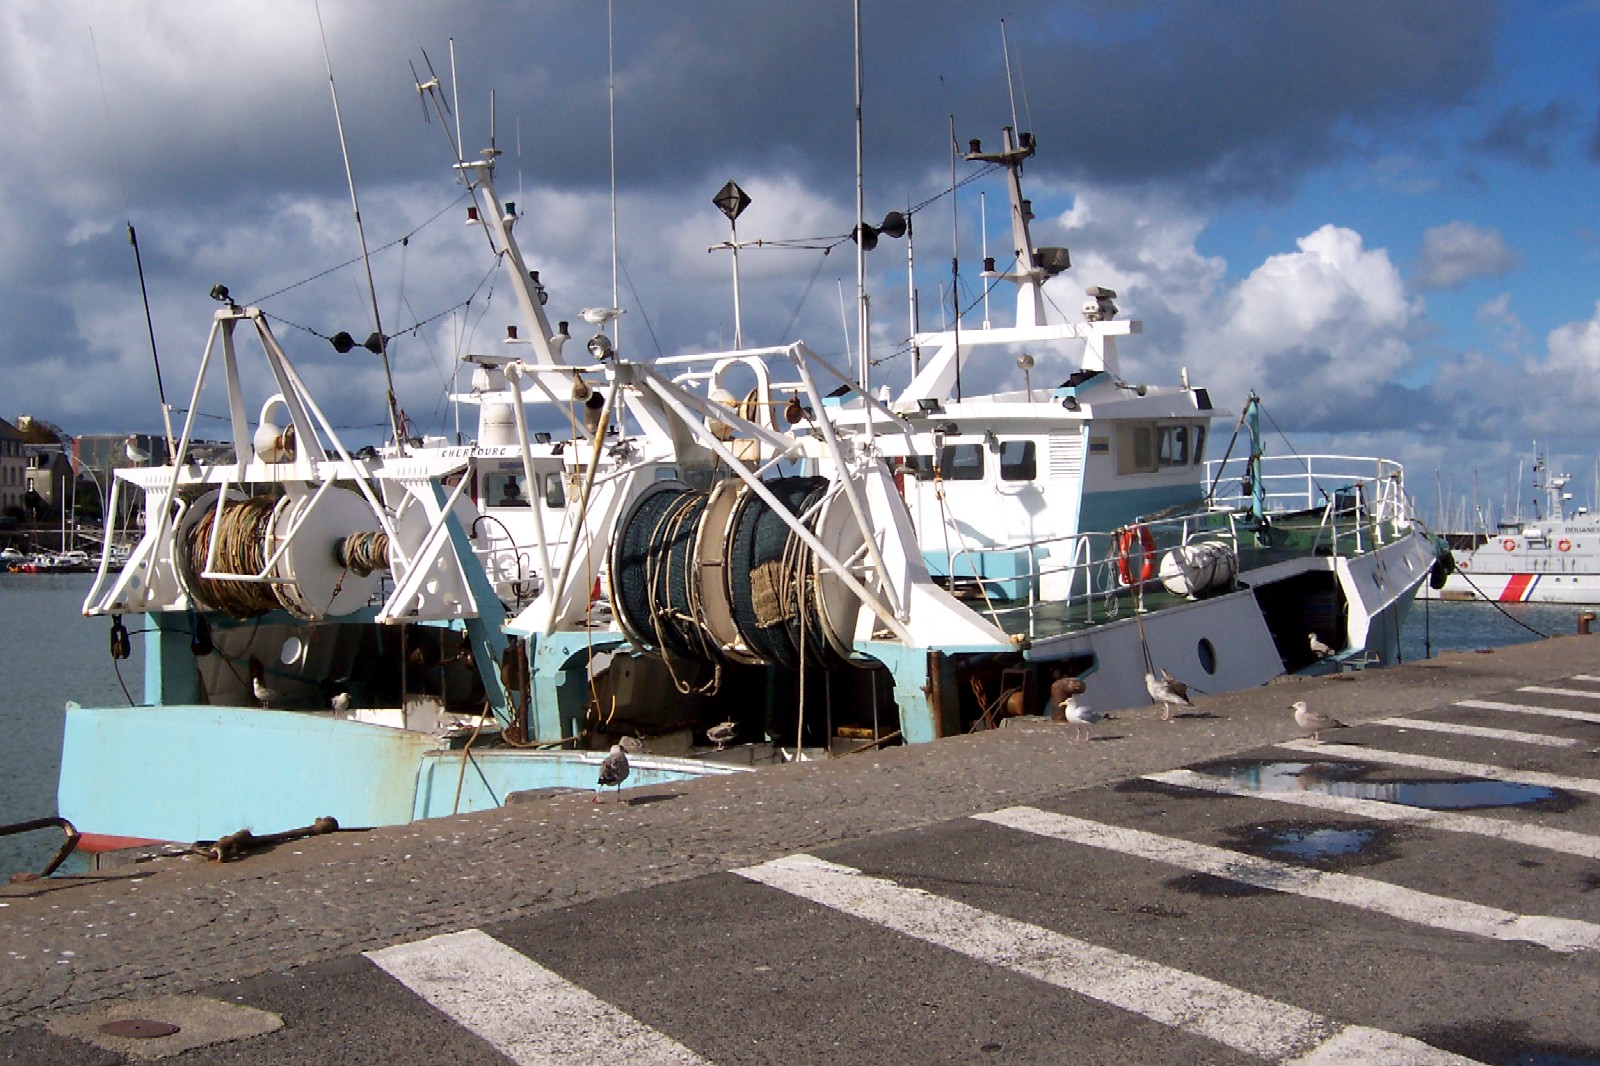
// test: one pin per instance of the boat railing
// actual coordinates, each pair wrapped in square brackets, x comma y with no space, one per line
[1084,578]
[1309,482]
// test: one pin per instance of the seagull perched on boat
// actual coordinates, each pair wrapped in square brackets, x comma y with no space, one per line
[721,733]
[258,686]
[1316,721]
[1318,648]
[136,455]
[1166,691]
[340,702]
[613,771]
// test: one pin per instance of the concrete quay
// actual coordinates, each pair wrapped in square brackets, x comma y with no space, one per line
[174,925]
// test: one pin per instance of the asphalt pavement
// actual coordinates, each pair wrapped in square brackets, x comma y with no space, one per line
[774,916]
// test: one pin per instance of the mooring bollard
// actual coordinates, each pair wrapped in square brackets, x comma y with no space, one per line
[1584,621]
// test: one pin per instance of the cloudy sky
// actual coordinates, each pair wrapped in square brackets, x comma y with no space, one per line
[1382,216]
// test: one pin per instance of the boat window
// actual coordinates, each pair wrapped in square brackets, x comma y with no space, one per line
[1175,446]
[504,490]
[1136,449]
[1016,461]
[919,466]
[555,493]
[1199,442]
[961,462]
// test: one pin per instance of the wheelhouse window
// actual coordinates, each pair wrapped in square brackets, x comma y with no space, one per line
[961,462]
[1136,449]
[1017,462]
[1174,446]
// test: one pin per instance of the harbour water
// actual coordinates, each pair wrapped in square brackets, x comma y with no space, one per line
[50,653]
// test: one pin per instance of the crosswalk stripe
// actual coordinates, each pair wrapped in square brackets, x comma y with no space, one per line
[529,1014]
[1534,836]
[1478,731]
[1488,771]
[1526,708]
[1406,904]
[1584,677]
[1186,1001]
[1549,691]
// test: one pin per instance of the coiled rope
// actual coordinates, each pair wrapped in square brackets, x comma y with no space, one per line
[241,529]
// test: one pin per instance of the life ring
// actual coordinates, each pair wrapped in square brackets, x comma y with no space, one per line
[1147,554]
[1509,544]
[1564,545]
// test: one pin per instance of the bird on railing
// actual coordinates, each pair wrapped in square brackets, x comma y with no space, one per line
[136,455]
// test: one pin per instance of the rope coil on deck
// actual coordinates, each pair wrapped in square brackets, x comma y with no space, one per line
[248,532]
[657,592]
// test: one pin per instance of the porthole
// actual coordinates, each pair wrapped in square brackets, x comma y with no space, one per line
[1207,653]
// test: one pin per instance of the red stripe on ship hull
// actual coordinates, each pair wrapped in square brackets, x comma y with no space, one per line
[1516,588]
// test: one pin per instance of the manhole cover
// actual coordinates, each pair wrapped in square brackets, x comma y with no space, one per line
[138,1028]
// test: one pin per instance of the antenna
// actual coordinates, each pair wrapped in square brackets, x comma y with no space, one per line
[366,258]
[955,254]
[1005,51]
[863,324]
[133,239]
[611,104]
[983,234]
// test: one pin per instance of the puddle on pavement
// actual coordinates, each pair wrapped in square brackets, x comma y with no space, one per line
[1355,781]
[1319,843]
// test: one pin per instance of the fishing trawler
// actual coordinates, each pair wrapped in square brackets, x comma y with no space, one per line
[1553,558]
[734,558]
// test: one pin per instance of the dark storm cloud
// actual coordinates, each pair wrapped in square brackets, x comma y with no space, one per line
[1527,134]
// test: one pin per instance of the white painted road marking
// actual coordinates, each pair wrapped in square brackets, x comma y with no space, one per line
[1487,771]
[1478,731]
[529,1014]
[1533,836]
[1406,904]
[1525,708]
[1584,677]
[1548,691]
[1186,1001]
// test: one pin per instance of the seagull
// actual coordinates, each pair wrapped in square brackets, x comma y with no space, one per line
[1316,721]
[721,734]
[633,745]
[262,692]
[341,702]
[136,455]
[1062,689]
[613,771]
[1167,691]
[599,316]
[1318,648]
[1081,717]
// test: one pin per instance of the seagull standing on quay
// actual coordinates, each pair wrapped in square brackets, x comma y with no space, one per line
[1081,718]
[722,733]
[1318,648]
[613,771]
[1316,721]
[1167,690]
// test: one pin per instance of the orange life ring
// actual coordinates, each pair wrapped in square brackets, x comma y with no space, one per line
[1509,544]
[1147,554]
[1564,545]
